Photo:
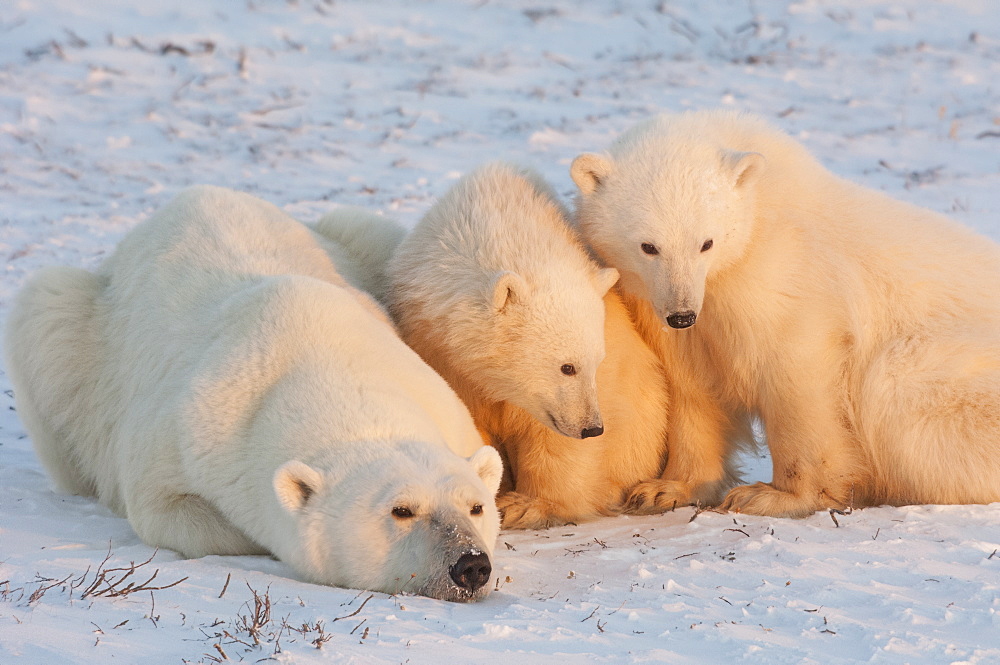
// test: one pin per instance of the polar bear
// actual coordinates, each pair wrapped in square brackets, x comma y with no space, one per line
[217,383]
[864,332]
[360,243]
[496,292]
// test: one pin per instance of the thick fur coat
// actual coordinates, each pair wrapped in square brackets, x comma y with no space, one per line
[495,290]
[863,331]
[218,383]
[360,243]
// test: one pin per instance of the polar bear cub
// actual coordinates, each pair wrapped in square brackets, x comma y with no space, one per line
[863,331]
[360,243]
[220,385]
[494,289]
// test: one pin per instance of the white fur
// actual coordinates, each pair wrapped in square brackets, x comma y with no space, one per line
[360,243]
[865,332]
[218,383]
[495,290]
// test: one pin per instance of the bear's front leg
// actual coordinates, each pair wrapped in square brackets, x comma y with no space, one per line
[766,499]
[185,523]
[651,497]
[699,466]
[815,463]
[556,481]
[520,511]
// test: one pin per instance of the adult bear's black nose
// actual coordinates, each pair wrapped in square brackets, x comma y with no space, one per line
[471,571]
[681,319]
[592,431]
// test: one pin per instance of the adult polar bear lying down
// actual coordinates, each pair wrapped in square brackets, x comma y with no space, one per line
[220,385]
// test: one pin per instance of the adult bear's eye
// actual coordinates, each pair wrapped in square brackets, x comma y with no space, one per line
[649,248]
[402,512]
[707,245]
[476,509]
[568,370]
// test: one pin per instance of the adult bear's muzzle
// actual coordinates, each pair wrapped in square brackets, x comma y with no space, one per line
[471,571]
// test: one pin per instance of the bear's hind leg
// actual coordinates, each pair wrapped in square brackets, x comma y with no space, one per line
[51,350]
[931,419]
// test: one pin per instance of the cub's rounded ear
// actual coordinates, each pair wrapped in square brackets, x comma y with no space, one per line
[508,287]
[606,278]
[589,171]
[295,483]
[744,167]
[488,466]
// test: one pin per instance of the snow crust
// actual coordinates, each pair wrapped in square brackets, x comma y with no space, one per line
[109,108]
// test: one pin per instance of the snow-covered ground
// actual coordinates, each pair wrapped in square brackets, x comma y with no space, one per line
[106,111]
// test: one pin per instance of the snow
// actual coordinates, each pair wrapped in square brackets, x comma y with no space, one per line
[107,110]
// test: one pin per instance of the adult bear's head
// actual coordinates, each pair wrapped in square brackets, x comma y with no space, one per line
[419,519]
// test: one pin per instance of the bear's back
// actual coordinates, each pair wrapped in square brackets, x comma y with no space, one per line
[209,239]
[292,344]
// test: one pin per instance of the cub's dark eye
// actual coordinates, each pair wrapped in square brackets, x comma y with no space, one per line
[476,510]
[649,249]
[402,512]
[568,370]
[707,245]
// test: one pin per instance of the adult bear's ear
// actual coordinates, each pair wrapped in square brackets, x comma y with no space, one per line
[589,171]
[606,278]
[295,483]
[508,287]
[488,466]
[744,167]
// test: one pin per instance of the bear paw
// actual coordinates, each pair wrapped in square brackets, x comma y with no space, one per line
[765,499]
[656,496]
[520,511]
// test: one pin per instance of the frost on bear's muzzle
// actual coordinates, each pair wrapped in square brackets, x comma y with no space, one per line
[465,569]
[464,580]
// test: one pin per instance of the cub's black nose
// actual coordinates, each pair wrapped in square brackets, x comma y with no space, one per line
[592,431]
[471,571]
[681,319]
